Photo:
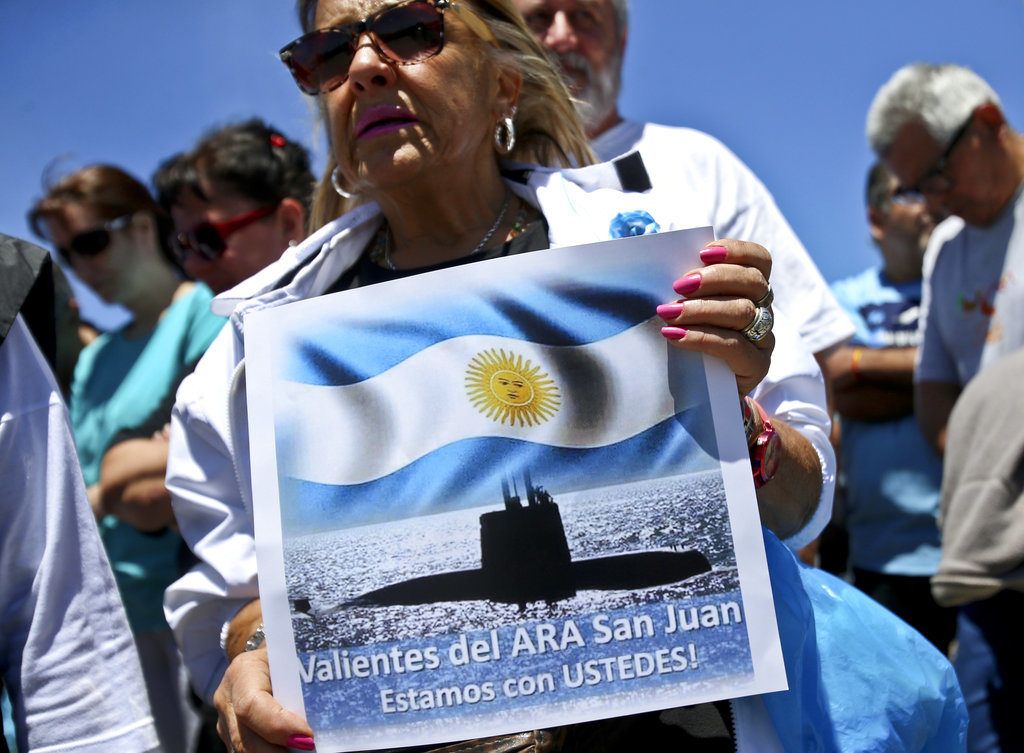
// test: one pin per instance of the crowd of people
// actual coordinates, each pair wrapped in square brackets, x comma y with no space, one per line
[130,604]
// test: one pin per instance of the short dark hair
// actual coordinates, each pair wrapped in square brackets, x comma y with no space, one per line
[251,159]
[878,192]
[172,177]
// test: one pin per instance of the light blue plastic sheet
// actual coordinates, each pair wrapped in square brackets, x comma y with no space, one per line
[860,678]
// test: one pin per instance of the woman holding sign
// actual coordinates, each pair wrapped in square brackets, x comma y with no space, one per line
[446,121]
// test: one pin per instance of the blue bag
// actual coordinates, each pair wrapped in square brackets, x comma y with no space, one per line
[860,679]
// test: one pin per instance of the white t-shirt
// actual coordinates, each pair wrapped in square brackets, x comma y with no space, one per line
[712,186]
[973,296]
[67,656]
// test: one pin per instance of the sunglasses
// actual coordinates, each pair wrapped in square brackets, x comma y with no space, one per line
[935,181]
[93,242]
[403,34]
[209,239]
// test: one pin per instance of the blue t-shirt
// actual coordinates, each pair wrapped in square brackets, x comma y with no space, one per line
[892,475]
[119,383]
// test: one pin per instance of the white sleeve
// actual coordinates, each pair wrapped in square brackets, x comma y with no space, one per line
[746,211]
[935,363]
[213,519]
[66,651]
[794,391]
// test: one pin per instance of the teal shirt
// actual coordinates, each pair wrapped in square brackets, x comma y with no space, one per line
[119,383]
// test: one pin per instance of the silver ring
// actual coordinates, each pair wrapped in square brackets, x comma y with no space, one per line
[761,325]
[766,300]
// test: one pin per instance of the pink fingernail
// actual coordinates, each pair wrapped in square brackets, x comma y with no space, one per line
[673,333]
[301,742]
[714,254]
[688,284]
[669,311]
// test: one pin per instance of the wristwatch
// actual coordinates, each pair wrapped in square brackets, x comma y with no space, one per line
[751,419]
[764,450]
[256,639]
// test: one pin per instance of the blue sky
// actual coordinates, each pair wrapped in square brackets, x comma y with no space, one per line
[786,85]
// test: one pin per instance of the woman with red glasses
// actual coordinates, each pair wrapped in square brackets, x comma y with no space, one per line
[238,199]
[107,227]
[428,103]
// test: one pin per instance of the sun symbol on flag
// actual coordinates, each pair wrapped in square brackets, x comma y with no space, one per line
[510,389]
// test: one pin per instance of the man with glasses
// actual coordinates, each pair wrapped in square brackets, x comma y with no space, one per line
[588,39]
[891,476]
[942,132]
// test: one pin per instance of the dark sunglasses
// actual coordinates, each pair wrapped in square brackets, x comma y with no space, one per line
[936,180]
[93,242]
[403,34]
[209,239]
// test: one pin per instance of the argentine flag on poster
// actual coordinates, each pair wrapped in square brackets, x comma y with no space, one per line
[393,426]
[423,400]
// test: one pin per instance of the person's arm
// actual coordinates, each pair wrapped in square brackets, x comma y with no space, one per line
[66,651]
[824,360]
[788,502]
[249,713]
[242,627]
[132,486]
[934,404]
[212,517]
[937,381]
[872,384]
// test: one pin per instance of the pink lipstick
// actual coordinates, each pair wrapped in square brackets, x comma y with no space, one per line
[381,119]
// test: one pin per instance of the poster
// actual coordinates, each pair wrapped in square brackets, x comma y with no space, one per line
[494,498]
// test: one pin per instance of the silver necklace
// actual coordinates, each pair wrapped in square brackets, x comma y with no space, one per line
[385,257]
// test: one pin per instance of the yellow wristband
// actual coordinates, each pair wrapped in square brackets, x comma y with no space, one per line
[858,353]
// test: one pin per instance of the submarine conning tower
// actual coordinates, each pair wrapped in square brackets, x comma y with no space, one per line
[523,550]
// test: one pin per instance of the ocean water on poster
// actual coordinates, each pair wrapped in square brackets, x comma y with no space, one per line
[330,568]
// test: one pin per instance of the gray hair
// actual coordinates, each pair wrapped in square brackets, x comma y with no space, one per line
[941,97]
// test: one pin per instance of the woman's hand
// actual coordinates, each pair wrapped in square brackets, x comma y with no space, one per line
[251,720]
[718,304]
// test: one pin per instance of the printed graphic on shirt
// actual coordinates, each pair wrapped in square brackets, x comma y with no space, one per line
[980,308]
[892,324]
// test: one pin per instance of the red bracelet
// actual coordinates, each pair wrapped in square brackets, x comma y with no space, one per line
[765,452]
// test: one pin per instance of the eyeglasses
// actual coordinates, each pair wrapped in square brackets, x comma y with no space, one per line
[93,242]
[403,34]
[906,198]
[936,180]
[209,239]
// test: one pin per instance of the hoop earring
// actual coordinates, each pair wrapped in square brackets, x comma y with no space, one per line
[337,185]
[505,134]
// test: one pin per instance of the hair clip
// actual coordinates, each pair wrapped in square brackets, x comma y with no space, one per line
[277,140]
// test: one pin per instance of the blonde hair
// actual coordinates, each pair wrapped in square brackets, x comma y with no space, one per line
[549,131]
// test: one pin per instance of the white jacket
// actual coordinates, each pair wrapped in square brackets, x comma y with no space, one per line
[208,469]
